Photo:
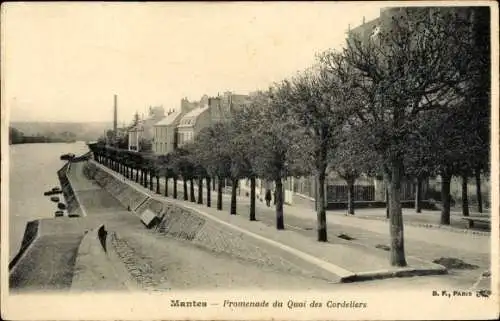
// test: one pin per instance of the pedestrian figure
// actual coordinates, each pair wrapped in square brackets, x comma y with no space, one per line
[268,198]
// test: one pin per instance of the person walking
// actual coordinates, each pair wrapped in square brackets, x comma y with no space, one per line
[268,197]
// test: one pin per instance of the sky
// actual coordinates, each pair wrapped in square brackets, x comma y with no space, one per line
[64,62]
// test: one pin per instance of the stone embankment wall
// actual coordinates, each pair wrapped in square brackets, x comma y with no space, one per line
[30,234]
[185,224]
[72,205]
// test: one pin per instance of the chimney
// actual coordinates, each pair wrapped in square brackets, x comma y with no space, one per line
[115,117]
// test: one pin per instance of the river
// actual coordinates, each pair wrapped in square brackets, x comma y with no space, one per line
[32,171]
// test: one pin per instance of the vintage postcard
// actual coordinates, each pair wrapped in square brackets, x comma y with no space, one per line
[249,161]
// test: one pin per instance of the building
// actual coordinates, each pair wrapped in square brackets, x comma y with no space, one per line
[165,133]
[208,111]
[193,121]
[222,106]
[141,135]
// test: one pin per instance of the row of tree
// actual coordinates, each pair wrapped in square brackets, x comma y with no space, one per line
[411,101]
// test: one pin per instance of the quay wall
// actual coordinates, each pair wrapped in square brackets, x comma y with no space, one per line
[182,223]
[72,205]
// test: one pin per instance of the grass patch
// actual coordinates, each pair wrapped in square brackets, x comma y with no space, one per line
[345,237]
[454,263]
[383,247]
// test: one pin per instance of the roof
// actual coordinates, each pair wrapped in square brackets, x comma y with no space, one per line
[170,119]
[145,123]
[190,118]
[365,30]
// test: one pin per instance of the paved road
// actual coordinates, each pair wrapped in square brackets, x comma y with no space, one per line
[159,262]
[420,242]
[429,244]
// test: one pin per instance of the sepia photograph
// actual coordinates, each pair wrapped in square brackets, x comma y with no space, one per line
[249,160]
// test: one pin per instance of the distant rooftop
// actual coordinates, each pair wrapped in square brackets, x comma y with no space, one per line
[169,119]
[145,123]
[190,118]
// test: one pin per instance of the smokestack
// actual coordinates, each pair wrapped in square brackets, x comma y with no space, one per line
[115,117]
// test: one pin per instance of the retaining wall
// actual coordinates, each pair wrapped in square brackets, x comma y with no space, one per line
[128,196]
[72,205]
[185,224]
[30,234]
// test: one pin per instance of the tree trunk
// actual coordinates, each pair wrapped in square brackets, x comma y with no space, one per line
[175,187]
[478,190]
[186,196]
[191,190]
[234,183]
[321,212]
[396,217]
[219,194]
[145,183]
[445,198]
[158,184]
[280,222]
[465,196]
[137,175]
[200,190]
[252,198]
[418,195]
[151,180]
[213,185]
[350,196]
[387,181]
[208,192]
[166,186]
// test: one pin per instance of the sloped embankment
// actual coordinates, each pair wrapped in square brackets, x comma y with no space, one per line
[201,231]
[47,257]
[72,205]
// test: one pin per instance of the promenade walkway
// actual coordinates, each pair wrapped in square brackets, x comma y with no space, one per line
[367,234]
[420,241]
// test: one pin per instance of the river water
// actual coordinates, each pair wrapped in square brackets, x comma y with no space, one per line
[32,171]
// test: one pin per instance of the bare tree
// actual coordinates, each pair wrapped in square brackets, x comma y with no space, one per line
[404,70]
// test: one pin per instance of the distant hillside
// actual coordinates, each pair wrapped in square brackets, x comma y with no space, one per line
[83,131]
